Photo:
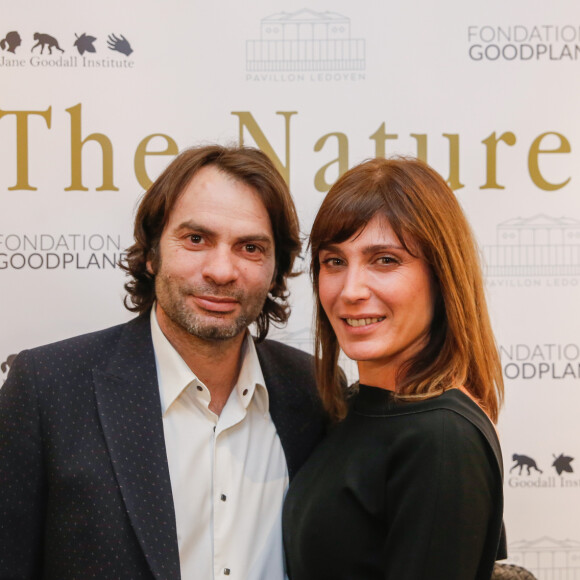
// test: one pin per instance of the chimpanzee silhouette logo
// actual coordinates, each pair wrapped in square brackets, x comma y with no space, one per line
[5,367]
[522,461]
[43,40]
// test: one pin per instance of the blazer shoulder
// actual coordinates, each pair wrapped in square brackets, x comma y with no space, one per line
[273,348]
[91,348]
[282,359]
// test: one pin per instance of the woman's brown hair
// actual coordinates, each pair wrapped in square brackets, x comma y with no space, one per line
[428,220]
[244,164]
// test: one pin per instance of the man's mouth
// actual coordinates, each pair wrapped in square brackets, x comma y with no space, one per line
[216,303]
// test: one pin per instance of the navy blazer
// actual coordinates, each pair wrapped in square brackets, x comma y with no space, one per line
[84,480]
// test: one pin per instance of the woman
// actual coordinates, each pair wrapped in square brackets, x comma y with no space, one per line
[408,485]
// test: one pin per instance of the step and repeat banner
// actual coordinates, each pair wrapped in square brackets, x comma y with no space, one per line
[97,98]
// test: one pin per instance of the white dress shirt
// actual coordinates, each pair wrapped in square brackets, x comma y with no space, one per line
[228,472]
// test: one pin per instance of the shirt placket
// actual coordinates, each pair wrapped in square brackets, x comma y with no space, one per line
[223,491]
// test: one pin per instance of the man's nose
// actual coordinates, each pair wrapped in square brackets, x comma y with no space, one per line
[220,266]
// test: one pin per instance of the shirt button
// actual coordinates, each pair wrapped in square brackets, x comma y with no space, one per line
[226,571]
[223,497]
[245,392]
[199,388]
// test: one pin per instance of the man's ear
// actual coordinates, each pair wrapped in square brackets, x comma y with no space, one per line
[152,262]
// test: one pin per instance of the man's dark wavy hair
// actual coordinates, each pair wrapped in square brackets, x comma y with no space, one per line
[245,164]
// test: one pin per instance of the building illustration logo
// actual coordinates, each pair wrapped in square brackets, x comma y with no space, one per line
[537,246]
[305,41]
[546,558]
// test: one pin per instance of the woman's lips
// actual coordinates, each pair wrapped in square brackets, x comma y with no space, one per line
[357,322]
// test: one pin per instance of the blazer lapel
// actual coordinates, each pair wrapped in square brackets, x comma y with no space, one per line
[294,405]
[129,408]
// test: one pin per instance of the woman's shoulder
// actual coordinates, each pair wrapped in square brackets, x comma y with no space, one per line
[451,419]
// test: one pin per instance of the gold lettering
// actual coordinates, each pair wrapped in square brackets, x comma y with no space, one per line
[320,181]
[76,146]
[534,166]
[247,121]
[421,146]
[491,158]
[380,137]
[140,170]
[453,179]
[22,145]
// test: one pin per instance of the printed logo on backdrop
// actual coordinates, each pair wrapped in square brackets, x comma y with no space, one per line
[62,251]
[71,50]
[547,558]
[548,361]
[5,367]
[538,251]
[519,42]
[555,472]
[305,46]
[535,251]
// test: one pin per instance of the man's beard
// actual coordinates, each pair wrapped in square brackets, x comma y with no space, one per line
[207,326]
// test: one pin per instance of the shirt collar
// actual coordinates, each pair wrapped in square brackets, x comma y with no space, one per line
[174,376]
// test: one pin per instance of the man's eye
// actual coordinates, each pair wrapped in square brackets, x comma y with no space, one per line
[251,248]
[195,239]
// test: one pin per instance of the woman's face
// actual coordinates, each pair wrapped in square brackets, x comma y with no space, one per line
[379,300]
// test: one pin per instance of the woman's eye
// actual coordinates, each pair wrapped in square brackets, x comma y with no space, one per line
[387,260]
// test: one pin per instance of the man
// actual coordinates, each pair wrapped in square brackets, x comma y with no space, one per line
[162,448]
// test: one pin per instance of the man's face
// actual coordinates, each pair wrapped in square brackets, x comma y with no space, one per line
[216,259]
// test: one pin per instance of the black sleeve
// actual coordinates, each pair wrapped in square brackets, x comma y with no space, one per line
[441,503]
[22,487]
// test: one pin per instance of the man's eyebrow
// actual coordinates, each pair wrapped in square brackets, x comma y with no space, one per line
[257,238]
[200,229]
[190,225]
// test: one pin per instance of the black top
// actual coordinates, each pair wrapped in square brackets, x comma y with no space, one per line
[399,491]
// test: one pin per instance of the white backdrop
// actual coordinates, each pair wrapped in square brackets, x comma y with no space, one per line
[486,92]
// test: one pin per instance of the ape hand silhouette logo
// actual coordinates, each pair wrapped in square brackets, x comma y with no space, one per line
[119,44]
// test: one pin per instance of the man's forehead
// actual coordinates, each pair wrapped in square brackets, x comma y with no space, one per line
[213,200]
